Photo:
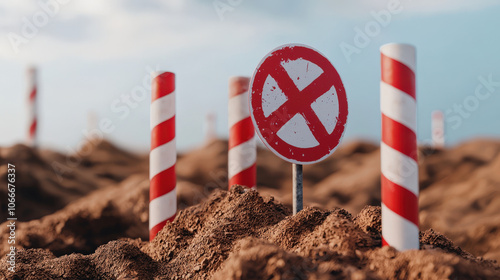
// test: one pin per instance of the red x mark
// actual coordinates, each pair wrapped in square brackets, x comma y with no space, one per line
[297,100]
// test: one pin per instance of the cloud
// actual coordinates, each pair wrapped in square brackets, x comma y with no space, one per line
[96,29]
[433,6]
[361,8]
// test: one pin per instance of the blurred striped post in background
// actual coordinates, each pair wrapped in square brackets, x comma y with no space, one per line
[242,148]
[437,124]
[32,107]
[163,155]
[398,147]
[210,127]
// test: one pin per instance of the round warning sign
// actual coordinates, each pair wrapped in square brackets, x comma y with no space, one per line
[298,104]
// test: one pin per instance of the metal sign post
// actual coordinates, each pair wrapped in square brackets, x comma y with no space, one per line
[297,188]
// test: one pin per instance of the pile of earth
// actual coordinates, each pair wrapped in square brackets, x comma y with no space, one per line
[105,198]
[241,235]
[47,181]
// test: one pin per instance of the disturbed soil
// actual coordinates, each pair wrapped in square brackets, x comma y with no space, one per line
[85,216]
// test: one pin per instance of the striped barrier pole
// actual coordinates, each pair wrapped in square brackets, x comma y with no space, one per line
[398,148]
[437,129]
[163,155]
[242,148]
[32,107]
[210,127]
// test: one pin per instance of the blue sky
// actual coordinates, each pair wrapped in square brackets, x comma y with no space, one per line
[91,54]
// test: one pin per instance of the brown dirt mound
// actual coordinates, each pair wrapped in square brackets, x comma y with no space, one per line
[241,235]
[46,181]
[205,166]
[107,214]
[464,202]
[459,198]
[83,225]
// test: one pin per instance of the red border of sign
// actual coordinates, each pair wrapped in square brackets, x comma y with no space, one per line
[264,126]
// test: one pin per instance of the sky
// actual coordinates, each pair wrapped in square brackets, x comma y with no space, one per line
[93,55]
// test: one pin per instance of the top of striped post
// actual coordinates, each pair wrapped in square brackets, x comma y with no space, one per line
[404,53]
[163,84]
[238,85]
[399,65]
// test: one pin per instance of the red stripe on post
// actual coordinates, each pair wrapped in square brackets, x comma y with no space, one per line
[163,183]
[33,128]
[247,176]
[241,132]
[163,85]
[154,231]
[163,133]
[400,200]
[32,94]
[399,137]
[384,243]
[398,75]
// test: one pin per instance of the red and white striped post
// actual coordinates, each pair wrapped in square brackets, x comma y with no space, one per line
[242,148]
[210,127]
[399,147]
[163,155]
[437,124]
[32,107]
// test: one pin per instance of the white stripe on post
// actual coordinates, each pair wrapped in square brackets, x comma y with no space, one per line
[246,153]
[399,230]
[397,105]
[162,109]
[399,168]
[162,208]
[238,110]
[162,158]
